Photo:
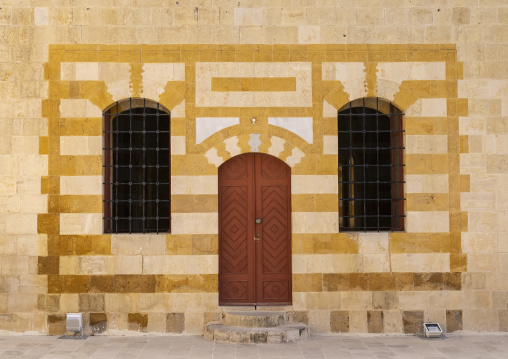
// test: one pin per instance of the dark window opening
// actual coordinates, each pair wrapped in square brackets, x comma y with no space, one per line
[370,140]
[137,167]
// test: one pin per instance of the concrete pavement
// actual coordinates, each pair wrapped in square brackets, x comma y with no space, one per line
[480,346]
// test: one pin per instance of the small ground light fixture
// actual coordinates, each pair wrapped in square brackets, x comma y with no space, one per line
[432,330]
[74,322]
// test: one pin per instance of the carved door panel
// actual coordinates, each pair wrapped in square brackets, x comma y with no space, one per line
[254,231]
[273,249]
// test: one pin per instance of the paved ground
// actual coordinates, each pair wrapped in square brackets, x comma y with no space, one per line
[344,346]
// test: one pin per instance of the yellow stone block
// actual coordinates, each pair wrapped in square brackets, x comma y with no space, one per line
[308,282]
[427,164]
[80,165]
[427,201]
[251,84]
[279,84]
[80,127]
[458,262]
[44,184]
[43,145]
[226,84]
[465,183]
[179,244]
[80,204]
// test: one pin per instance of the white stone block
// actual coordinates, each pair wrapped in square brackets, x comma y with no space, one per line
[376,263]
[128,264]
[207,126]
[315,222]
[277,146]
[435,183]
[426,144]
[81,223]
[95,265]
[435,262]
[178,145]
[81,145]
[248,16]
[309,34]
[21,223]
[299,263]
[406,262]
[479,242]
[301,184]
[417,300]
[330,145]
[81,185]
[41,16]
[405,71]
[295,157]
[433,107]
[428,222]
[194,223]
[72,108]
[302,126]
[372,243]
[319,263]
[87,71]
[138,244]
[347,263]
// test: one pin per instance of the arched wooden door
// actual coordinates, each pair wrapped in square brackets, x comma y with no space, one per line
[254,231]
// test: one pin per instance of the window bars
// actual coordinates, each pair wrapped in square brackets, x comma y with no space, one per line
[371,178]
[136,167]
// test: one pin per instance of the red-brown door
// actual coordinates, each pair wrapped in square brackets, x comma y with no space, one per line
[254,231]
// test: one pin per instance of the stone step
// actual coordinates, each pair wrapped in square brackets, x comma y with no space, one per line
[234,334]
[254,319]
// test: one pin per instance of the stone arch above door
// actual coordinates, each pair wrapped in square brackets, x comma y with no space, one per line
[262,143]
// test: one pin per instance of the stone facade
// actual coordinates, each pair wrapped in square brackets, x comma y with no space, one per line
[254,76]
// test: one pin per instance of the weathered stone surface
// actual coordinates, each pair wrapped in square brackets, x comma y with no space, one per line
[412,322]
[135,283]
[255,319]
[91,302]
[375,321]
[256,327]
[49,302]
[453,320]
[102,284]
[175,323]
[48,265]
[138,322]
[298,317]
[339,321]
[237,334]
[98,323]
[385,300]
[56,324]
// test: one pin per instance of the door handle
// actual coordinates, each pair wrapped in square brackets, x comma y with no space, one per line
[256,237]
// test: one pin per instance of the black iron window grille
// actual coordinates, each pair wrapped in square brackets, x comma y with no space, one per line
[371,176]
[136,167]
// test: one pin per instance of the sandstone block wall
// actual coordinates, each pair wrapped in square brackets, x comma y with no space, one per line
[216,65]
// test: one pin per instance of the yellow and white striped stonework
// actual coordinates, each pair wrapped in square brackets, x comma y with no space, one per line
[286,109]
[255,77]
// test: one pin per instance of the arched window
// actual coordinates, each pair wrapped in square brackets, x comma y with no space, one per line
[371,176]
[136,167]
